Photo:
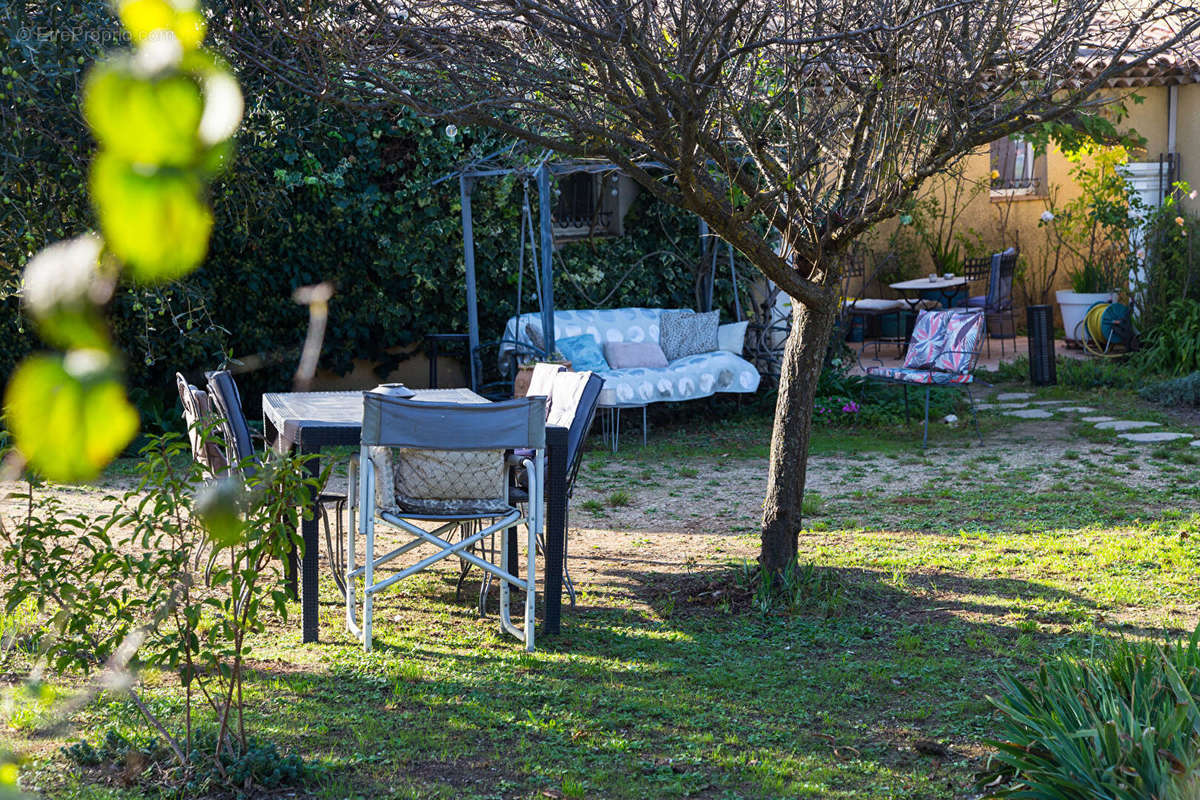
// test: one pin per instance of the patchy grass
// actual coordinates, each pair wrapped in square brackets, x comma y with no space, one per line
[925,577]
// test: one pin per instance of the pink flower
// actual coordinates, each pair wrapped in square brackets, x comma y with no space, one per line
[850,408]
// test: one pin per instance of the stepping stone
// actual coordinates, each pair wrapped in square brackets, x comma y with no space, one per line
[1195,443]
[1096,419]
[1126,425]
[1006,396]
[1046,402]
[1083,410]
[1029,413]
[1155,436]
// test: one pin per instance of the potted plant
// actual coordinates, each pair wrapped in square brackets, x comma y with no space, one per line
[1095,230]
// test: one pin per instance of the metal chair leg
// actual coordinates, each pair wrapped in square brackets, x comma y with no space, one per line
[974,416]
[906,418]
[925,438]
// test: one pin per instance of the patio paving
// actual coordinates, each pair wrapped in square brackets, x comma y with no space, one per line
[1154,436]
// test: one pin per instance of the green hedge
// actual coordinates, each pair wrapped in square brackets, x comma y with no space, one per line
[315,193]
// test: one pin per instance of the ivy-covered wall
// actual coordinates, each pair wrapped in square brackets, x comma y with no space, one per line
[315,193]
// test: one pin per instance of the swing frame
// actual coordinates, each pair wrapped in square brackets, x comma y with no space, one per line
[540,172]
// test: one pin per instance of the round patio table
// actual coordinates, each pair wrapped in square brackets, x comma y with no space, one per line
[910,292]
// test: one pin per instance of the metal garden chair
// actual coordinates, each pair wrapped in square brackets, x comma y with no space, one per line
[943,351]
[999,270]
[573,398]
[445,463]
[856,282]
[240,452]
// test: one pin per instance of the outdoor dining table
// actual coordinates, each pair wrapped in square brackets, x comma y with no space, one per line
[910,292]
[309,422]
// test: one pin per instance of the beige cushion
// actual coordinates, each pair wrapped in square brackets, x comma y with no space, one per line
[628,355]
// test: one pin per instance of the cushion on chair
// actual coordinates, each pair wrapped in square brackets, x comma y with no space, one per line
[439,482]
[731,337]
[875,304]
[960,342]
[629,355]
[200,417]
[686,333]
[583,352]
[928,336]
[919,376]
[976,302]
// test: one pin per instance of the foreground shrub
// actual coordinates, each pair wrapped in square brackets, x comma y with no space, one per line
[178,577]
[1122,726]
[1183,391]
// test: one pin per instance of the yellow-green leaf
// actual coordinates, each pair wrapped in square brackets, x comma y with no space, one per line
[143,17]
[189,29]
[154,221]
[220,505]
[69,416]
[146,121]
[62,289]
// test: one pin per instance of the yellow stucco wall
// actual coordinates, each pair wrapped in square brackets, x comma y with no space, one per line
[1000,221]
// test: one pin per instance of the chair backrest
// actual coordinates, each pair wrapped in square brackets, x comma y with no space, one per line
[977,269]
[946,340]
[573,402]
[223,392]
[508,425]
[1000,280]
[542,380]
[199,416]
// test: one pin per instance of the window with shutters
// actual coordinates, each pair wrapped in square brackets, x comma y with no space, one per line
[1017,168]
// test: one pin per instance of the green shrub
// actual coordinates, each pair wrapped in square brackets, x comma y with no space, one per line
[1123,726]
[1183,391]
[1173,346]
[1170,269]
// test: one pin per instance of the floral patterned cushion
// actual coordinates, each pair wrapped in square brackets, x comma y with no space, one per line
[928,336]
[960,344]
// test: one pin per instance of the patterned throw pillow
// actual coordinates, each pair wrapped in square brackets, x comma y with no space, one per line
[685,333]
[535,337]
[928,336]
[583,352]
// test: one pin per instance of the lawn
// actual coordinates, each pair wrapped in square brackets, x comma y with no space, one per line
[926,577]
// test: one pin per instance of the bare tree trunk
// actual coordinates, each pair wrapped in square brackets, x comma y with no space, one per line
[803,358]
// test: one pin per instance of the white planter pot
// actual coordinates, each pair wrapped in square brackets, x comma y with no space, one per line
[1074,307]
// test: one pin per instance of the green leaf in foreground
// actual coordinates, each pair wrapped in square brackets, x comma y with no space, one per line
[150,121]
[69,416]
[155,221]
[62,289]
